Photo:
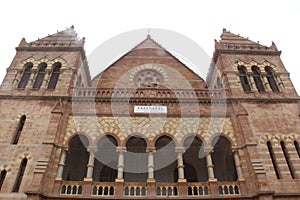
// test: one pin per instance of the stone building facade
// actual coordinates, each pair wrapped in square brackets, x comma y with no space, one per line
[148,127]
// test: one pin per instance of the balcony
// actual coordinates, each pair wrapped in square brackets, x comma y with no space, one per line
[148,190]
[110,93]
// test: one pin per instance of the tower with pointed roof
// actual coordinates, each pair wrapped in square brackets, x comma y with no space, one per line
[148,127]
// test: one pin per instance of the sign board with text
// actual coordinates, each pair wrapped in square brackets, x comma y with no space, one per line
[150,109]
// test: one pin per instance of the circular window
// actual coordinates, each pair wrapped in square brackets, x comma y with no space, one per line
[148,78]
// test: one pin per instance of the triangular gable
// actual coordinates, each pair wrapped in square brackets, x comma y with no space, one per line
[149,50]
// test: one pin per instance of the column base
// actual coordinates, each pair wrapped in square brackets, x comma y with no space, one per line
[242,179]
[151,180]
[181,180]
[212,180]
[119,180]
[88,179]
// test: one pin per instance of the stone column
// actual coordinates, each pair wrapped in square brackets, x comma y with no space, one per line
[210,167]
[30,81]
[17,79]
[121,151]
[61,163]
[90,165]
[180,166]
[238,165]
[266,84]
[252,82]
[46,79]
[279,83]
[150,151]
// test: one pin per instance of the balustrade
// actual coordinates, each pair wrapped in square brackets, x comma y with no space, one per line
[146,93]
[135,190]
[71,189]
[166,190]
[198,190]
[229,189]
[103,190]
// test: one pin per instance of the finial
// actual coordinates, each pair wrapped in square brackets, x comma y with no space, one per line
[148,33]
[224,30]
[72,27]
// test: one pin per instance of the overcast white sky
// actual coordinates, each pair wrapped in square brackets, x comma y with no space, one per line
[202,21]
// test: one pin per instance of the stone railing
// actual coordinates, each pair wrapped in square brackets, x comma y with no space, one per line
[71,188]
[83,189]
[147,93]
[166,190]
[197,189]
[103,189]
[229,188]
[133,190]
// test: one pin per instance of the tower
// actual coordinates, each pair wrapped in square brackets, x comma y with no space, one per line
[34,93]
[264,104]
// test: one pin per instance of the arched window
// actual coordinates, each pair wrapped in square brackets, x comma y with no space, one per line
[271,152]
[224,166]
[40,76]
[296,144]
[106,159]
[244,79]
[20,175]
[195,167]
[54,76]
[287,159]
[2,177]
[257,79]
[165,160]
[25,76]
[136,160]
[77,159]
[19,130]
[271,79]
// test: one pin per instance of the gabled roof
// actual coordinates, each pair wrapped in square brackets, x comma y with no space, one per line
[148,43]
[147,51]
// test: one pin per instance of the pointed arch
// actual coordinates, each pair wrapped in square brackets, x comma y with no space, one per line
[195,166]
[40,76]
[165,160]
[54,76]
[77,158]
[223,161]
[257,79]
[136,160]
[243,78]
[19,129]
[106,159]
[26,75]
[20,175]
[271,79]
